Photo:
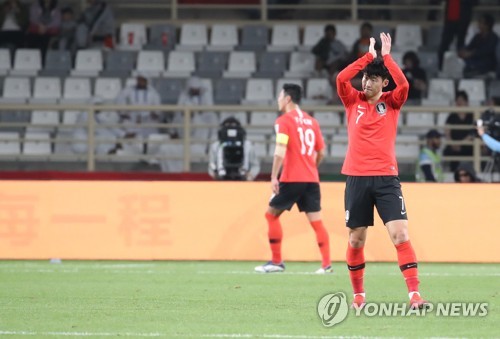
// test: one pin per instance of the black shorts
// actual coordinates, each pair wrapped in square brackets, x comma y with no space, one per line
[306,195]
[363,193]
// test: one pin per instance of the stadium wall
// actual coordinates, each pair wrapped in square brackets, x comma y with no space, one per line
[225,221]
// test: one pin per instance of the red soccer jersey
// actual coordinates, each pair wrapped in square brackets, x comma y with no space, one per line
[371,128]
[304,140]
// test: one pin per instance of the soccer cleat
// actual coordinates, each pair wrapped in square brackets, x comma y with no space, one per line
[358,301]
[325,270]
[270,267]
[416,301]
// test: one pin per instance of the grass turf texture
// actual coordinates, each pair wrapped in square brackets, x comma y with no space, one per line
[227,299]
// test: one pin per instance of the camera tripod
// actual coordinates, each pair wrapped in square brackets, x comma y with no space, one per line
[490,167]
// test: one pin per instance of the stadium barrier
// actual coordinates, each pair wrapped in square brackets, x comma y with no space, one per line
[225,221]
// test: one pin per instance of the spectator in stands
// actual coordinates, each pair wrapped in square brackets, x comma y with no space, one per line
[492,143]
[480,54]
[196,94]
[65,40]
[96,25]
[457,17]
[330,52]
[14,20]
[45,23]
[459,119]
[429,167]
[360,46]
[465,173]
[232,156]
[416,76]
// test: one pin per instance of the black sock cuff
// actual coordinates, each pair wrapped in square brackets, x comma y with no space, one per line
[356,267]
[274,241]
[408,265]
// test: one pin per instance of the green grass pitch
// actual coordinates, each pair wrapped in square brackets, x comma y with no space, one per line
[101,299]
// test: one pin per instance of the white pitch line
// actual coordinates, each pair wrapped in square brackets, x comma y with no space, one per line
[370,273]
[81,334]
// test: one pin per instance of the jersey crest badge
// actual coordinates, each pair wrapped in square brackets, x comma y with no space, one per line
[381,108]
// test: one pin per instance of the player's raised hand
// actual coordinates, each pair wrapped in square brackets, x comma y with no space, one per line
[371,48]
[386,43]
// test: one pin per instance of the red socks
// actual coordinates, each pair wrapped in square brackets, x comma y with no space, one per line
[356,265]
[275,235]
[408,264]
[323,242]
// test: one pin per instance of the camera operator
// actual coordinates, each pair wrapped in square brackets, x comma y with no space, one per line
[490,141]
[232,156]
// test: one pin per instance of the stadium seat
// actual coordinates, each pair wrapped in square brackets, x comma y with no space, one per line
[301,65]
[254,38]
[151,63]
[27,62]
[442,89]
[418,122]
[441,119]
[5,62]
[193,37]
[259,92]
[107,89]
[408,37]
[407,148]
[9,143]
[169,89]
[429,62]
[272,65]
[241,64]
[347,34]
[88,63]
[338,148]
[261,123]
[180,64]
[312,34]
[223,37]
[282,81]
[37,143]
[398,57]
[57,63]
[47,90]
[154,142]
[229,91]
[132,36]
[284,37]
[240,116]
[432,39]
[318,91]
[49,121]
[328,121]
[119,63]
[211,64]
[260,145]
[453,66]
[76,90]
[475,89]
[439,101]
[494,89]
[162,37]
[16,90]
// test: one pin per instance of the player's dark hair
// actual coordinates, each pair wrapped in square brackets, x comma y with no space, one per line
[294,91]
[376,68]
[330,28]
[463,95]
[489,20]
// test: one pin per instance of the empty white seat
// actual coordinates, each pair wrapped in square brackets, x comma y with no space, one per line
[441,119]
[16,89]
[37,143]
[338,148]
[48,121]
[419,122]
[240,64]
[240,116]
[260,145]
[261,123]
[453,66]
[312,34]
[9,143]
[284,37]
[475,89]
[46,90]
[281,82]
[88,63]
[437,101]
[301,65]
[193,37]
[442,89]
[348,34]
[223,37]
[259,91]
[154,142]
[407,148]
[27,62]
[408,36]
[151,62]
[318,91]
[180,64]
[328,121]
[107,88]
[76,90]
[132,36]
[5,62]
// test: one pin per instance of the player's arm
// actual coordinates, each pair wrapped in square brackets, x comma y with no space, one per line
[400,93]
[320,155]
[279,156]
[320,146]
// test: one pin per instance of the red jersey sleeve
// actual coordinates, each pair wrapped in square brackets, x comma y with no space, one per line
[399,95]
[344,88]
[281,126]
